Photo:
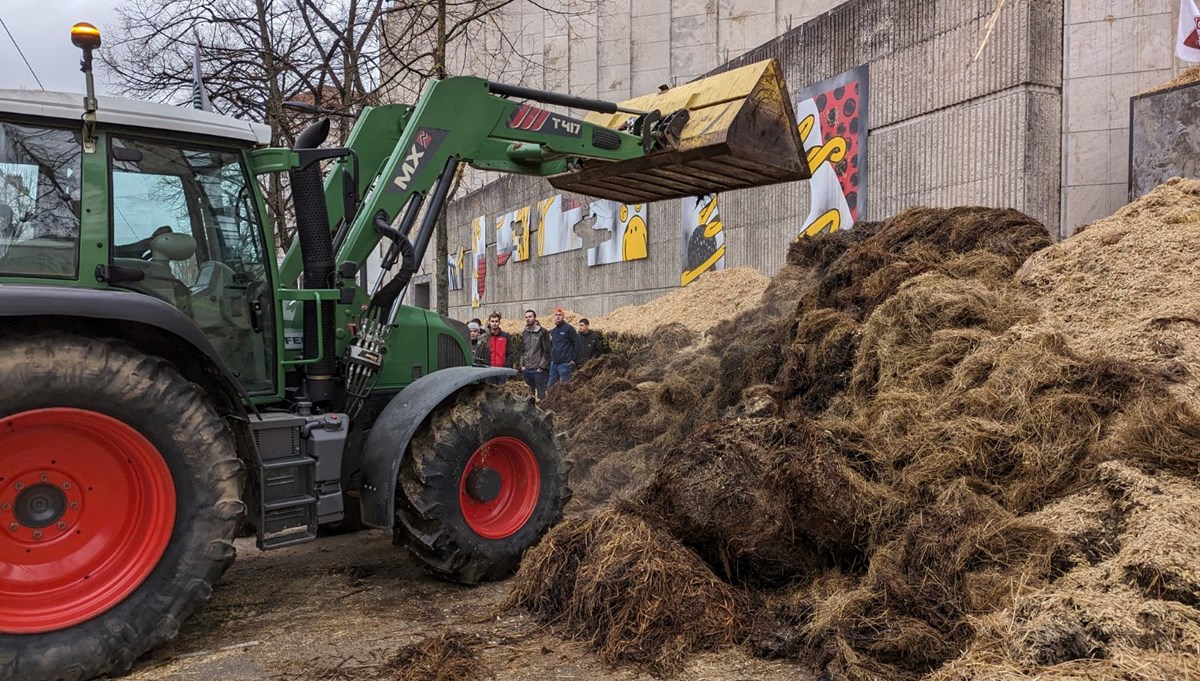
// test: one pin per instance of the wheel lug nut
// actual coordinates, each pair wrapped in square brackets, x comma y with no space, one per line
[37,534]
[66,485]
[19,485]
[43,477]
[74,505]
[61,526]
[14,527]
[5,507]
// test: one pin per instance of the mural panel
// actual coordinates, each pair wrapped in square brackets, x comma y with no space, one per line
[512,236]
[455,262]
[478,259]
[557,220]
[629,238]
[832,118]
[703,237]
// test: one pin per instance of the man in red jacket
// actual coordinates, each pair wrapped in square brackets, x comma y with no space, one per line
[496,348]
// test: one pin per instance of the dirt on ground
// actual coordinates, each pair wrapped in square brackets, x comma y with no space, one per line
[354,606]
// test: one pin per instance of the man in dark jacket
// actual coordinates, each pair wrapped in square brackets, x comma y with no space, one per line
[564,349]
[496,348]
[478,348]
[535,359]
[590,343]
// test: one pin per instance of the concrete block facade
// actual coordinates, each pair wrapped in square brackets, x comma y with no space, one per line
[1114,49]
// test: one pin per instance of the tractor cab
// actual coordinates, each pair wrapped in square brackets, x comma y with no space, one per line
[164,206]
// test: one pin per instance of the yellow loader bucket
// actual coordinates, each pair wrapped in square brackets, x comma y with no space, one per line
[741,132]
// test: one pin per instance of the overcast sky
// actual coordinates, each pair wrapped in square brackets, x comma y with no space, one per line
[43,30]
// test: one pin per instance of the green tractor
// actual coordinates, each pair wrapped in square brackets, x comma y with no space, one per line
[164,377]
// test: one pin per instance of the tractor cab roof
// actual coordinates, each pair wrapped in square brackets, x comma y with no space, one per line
[132,113]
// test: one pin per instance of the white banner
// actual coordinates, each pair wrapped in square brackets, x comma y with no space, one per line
[512,236]
[556,233]
[456,260]
[478,259]
[1187,37]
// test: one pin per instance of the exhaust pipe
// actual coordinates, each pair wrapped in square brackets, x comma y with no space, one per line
[316,252]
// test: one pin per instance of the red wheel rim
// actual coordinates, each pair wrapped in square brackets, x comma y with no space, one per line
[87,507]
[510,467]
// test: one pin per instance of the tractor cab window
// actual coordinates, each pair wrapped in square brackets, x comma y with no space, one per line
[185,219]
[39,200]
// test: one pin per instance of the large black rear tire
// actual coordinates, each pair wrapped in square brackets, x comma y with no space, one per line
[49,386]
[482,481]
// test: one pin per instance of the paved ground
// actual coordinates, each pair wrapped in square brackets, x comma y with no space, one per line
[340,607]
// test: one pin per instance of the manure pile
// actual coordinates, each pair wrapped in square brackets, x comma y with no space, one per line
[939,448]
[714,297]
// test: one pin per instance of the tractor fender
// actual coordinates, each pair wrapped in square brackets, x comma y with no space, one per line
[392,431]
[136,313]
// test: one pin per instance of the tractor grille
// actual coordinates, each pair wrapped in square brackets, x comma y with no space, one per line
[449,352]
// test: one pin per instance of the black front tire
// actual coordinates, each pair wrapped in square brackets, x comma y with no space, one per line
[429,516]
[148,394]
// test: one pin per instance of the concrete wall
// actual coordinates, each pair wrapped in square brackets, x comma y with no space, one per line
[1114,49]
[946,129]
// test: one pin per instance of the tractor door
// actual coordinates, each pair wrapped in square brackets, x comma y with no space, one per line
[185,229]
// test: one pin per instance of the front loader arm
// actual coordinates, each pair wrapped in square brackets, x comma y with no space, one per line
[732,130]
[403,151]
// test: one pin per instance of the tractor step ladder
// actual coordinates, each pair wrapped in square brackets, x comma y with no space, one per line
[286,484]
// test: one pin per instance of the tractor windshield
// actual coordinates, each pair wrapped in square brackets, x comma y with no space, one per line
[186,217]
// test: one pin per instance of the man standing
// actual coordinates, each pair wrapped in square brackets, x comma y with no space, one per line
[535,360]
[564,350]
[499,348]
[476,344]
[589,342]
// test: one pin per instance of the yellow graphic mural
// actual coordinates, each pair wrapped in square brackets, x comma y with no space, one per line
[703,237]
[628,230]
[512,236]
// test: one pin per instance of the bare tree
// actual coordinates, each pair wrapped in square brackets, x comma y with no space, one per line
[257,54]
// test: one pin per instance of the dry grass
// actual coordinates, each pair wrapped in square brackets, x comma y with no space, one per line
[446,656]
[631,591]
[1125,611]
[1128,286]
[720,493]
[915,451]
[714,297]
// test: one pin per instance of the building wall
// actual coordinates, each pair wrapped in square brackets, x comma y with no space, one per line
[946,128]
[1114,49]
